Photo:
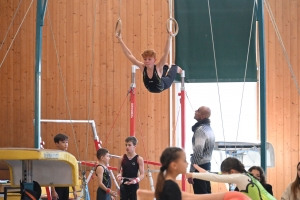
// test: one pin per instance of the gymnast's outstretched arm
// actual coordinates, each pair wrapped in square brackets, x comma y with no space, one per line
[240,180]
[164,57]
[147,194]
[128,54]
[230,178]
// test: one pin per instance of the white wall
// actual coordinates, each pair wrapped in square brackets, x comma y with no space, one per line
[206,94]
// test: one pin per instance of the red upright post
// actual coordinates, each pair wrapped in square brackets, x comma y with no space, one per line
[182,102]
[97,143]
[132,101]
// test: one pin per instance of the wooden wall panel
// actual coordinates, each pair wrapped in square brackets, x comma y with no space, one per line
[294,95]
[279,102]
[9,59]
[30,24]
[4,72]
[100,82]
[287,97]
[282,95]
[66,87]
[14,109]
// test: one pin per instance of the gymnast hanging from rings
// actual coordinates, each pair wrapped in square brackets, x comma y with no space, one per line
[156,77]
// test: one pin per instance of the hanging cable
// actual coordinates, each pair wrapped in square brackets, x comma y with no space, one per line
[10,24]
[91,81]
[15,34]
[281,44]
[245,74]
[216,70]
[177,118]
[145,152]
[118,28]
[64,87]
[189,101]
[171,20]
[107,135]
[147,157]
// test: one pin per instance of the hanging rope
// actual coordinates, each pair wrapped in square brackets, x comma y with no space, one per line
[281,44]
[216,69]
[147,157]
[64,86]
[189,101]
[145,152]
[179,109]
[171,20]
[15,34]
[10,24]
[118,28]
[245,74]
[107,135]
[91,81]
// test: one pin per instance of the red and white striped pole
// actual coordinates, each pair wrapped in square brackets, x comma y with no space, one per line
[182,102]
[132,101]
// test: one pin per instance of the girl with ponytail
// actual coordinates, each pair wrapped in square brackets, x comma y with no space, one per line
[173,162]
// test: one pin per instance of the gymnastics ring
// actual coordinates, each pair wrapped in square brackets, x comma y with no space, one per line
[118,28]
[176,27]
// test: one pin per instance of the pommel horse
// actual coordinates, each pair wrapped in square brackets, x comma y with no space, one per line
[44,167]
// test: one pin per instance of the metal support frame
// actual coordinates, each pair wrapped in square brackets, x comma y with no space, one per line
[150,179]
[40,15]
[262,67]
[97,142]
[27,174]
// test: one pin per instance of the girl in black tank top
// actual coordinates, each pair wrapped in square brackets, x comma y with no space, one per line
[166,186]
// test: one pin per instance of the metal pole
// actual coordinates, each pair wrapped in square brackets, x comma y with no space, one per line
[182,101]
[132,101]
[97,142]
[263,118]
[27,174]
[40,14]
[150,179]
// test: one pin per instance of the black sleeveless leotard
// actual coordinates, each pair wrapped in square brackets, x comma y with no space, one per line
[130,170]
[101,194]
[157,84]
[154,84]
